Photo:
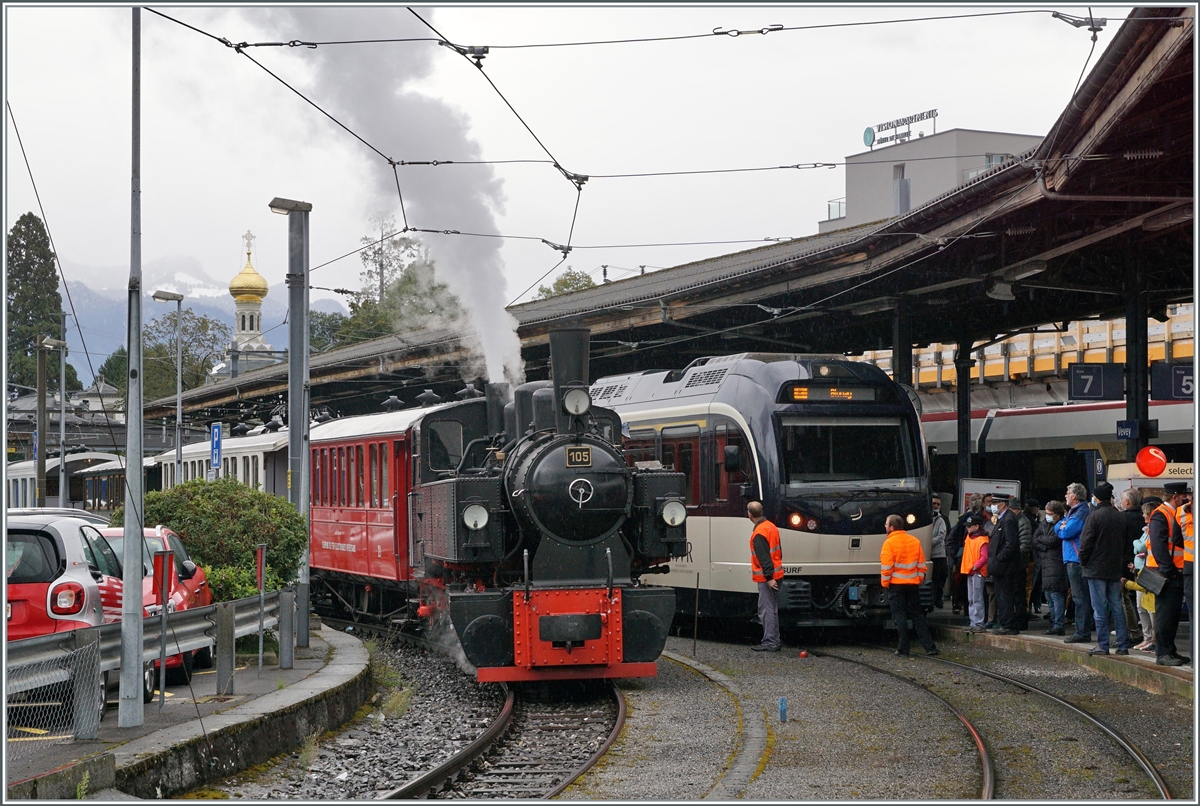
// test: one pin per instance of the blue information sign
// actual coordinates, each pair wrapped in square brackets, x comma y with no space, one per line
[1172,381]
[1096,382]
[216,445]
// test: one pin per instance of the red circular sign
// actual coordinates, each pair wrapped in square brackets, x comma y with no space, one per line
[1151,461]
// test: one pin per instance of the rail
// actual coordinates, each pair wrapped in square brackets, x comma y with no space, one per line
[187,630]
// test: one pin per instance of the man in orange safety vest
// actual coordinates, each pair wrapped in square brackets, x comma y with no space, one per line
[901,572]
[766,569]
[1166,557]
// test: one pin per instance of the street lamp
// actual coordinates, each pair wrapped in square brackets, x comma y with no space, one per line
[44,343]
[171,296]
[298,385]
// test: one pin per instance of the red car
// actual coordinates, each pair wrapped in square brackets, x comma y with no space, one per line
[188,587]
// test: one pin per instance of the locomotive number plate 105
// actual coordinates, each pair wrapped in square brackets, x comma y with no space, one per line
[579,456]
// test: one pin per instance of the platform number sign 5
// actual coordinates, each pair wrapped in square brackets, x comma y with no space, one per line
[1172,381]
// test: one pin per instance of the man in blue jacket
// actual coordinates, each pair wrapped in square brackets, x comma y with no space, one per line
[1068,531]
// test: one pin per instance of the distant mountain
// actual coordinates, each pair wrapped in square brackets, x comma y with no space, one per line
[101,306]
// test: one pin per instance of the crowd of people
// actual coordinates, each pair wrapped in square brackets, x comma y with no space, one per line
[1007,561]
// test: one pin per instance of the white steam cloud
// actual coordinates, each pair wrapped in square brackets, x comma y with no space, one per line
[364,87]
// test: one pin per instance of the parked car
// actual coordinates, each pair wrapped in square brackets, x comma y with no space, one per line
[61,575]
[65,512]
[188,587]
[54,568]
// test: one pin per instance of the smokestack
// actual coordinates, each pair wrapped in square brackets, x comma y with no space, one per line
[497,396]
[523,400]
[569,353]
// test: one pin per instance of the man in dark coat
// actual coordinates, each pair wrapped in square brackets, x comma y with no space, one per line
[1101,554]
[1047,549]
[1005,567]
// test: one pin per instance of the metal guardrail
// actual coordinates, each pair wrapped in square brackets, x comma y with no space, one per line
[187,630]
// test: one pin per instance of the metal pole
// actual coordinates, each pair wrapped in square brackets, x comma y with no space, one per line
[1137,360]
[39,498]
[298,418]
[696,616]
[131,712]
[962,390]
[902,351]
[64,500]
[178,391]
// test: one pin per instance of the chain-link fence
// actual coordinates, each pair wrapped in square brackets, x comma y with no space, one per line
[56,700]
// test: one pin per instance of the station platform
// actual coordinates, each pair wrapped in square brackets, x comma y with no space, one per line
[1137,668]
[197,736]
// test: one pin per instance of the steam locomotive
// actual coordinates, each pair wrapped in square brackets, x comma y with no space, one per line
[521,521]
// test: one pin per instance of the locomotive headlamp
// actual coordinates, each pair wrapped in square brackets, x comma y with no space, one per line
[475,517]
[577,401]
[911,519]
[674,513]
[795,520]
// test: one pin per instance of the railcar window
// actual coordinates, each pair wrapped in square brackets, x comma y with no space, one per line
[679,448]
[374,451]
[641,446]
[445,445]
[254,471]
[360,498]
[841,449]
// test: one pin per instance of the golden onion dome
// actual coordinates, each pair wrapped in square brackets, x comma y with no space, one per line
[248,285]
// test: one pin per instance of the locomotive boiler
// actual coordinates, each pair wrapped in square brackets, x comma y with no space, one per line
[518,523]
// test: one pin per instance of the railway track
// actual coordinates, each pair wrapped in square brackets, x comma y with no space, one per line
[1127,747]
[987,769]
[539,744]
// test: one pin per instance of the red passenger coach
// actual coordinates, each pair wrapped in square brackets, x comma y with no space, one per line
[521,524]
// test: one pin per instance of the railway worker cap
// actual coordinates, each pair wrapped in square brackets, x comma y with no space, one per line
[1001,498]
[1103,491]
[1176,488]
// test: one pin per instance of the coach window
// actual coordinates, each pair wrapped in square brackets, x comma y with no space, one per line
[374,451]
[680,446]
[245,469]
[385,497]
[445,445]
[360,498]
[324,477]
[337,458]
[254,471]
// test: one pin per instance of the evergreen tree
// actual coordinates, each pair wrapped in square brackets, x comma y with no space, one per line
[33,304]
[112,371]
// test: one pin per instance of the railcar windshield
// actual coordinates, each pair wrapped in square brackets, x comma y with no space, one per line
[849,452]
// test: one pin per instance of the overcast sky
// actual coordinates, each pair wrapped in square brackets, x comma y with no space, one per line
[221,137]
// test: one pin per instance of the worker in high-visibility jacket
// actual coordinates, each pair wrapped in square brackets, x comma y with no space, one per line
[766,569]
[901,572]
[1188,527]
[1166,557]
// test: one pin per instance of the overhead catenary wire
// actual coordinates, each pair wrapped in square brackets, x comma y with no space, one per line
[715,32]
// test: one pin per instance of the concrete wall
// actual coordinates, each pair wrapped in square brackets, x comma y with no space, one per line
[870,174]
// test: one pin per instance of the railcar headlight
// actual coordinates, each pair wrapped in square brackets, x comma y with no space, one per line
[577,401]
[674,513]
[475,517]
[911,519]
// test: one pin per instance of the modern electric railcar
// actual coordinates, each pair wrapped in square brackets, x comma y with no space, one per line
[831,448]
[21,489]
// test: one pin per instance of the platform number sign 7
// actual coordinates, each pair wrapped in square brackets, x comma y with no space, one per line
[1096,382]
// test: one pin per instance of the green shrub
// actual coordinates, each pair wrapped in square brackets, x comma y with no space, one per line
[221,522]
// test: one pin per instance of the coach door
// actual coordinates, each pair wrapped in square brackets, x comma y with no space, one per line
[400,510]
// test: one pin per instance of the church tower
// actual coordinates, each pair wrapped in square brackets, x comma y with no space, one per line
[248,289]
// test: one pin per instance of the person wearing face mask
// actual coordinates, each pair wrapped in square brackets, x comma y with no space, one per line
[988,510]
[1101,548]
[937,553]
[1006,568]
[1068,530]
[1047,550]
